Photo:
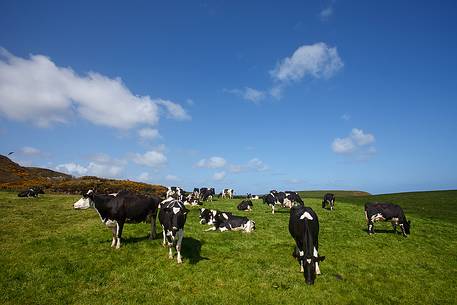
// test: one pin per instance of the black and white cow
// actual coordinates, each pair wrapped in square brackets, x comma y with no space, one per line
[330,199]
[192,199]
[271,200]
[235,223]
[378,211]
[126,207]
[172,217]
[277,198]
[32,192]
[227,193]
[211,217]
[294,197]
[304,228]
[175,192]
[196,192]
[245,205]
[207,194]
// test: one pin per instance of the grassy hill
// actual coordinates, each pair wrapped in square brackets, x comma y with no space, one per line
[16,177]
[337,193]
[52,254]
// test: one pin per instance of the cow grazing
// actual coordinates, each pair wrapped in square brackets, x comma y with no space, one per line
[245,205]
[172,217]
[329,199]
[282,199]
[294,197]
[125,207]
[377,211]
[227,193]
[271,200]
[207,194]
[304,228]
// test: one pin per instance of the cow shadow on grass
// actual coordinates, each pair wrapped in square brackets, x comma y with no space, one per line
[191,249]
[383,231]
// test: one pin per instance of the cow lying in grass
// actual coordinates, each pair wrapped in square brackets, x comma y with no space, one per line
[377,211]
[245,205]
[225,221]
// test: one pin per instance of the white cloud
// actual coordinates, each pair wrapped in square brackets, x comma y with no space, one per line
[213,162]
[174,110]
[30,151]
[72,168]
[144,176]
[153,158]
[171,178]
[37,90]
[326,13]
[257,165]
[219,175]
[148,134]
[357,141]
[248,93]
[101,165]
[317,60]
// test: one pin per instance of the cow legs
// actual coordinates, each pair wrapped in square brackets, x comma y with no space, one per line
[370,227]
[331,205]
[114,231]
[120,227]
[272,209]
[403,230]
[316,255]
[164,243]
[180,236]
[323,204]
[153,227]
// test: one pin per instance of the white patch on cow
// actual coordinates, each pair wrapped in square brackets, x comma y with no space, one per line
[164,237]
[117,237]
[301,266]
[318,270]
[176,210]
[180,235]
[225,216]
[308,260]
[249,226]
[222,229]
[287,203]
[111,223]
[82,204]
[307,216]
[315,252]
[211,229]
[316,255]
[301,253]
[395,220]
[170,252]
[377,217]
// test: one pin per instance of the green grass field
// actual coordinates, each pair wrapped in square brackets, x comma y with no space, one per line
[52,254]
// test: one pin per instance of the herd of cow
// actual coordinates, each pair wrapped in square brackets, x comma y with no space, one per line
[127,207]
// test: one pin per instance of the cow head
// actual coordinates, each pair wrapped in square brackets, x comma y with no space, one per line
[407,226]
[249,226]
[82,204]
[205,216]
[309,267]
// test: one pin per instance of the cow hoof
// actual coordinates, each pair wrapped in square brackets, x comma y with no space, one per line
[170,256]
[179,261]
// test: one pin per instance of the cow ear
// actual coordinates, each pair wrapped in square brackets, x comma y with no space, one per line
[186,211]
[320,258]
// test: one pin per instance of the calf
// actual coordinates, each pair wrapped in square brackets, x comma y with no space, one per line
[377,211]
[125,207]
[330,199]
[304,228]
[172,217]
[245,205]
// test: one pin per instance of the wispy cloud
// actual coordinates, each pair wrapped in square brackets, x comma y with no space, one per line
[346,117]
[36,90]
[101,165]
[213,162]
[326,13]
[30,151]
[255,164]
[249,94]
[148,134]
[358,142]
[152,158]
[219,175]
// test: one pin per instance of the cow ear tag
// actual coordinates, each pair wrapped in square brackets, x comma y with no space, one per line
[307,216]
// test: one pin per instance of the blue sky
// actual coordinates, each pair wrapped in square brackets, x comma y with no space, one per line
[248,95]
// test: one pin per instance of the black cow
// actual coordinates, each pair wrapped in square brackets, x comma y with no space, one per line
[245,205]
[125,207]
[172,217]
[304,228]
[377,211]
[330,199]
[207,193]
